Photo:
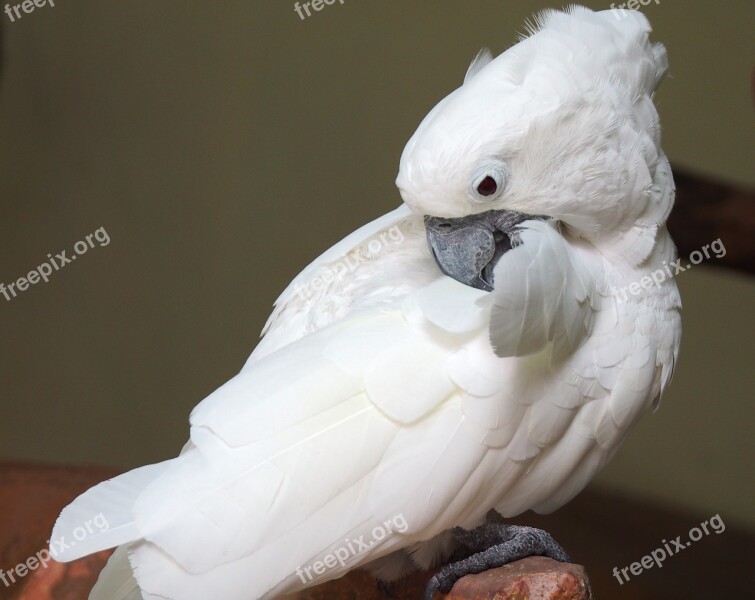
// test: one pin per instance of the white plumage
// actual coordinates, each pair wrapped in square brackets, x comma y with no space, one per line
[391,389]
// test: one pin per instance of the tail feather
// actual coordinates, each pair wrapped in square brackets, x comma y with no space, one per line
[102,517]
[116,581]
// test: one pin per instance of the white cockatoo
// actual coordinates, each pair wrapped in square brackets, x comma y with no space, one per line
[466,352]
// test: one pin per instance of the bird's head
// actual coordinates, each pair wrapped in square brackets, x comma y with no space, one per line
[560,126]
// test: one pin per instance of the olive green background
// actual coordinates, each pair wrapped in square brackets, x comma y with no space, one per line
[223,145]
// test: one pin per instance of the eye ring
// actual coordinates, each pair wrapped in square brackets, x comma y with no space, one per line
[488,183]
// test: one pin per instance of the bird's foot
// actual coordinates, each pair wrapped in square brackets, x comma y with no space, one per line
[489,546]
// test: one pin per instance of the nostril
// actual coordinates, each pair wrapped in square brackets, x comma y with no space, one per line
[445,225]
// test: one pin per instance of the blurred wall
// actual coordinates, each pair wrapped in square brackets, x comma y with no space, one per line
[223,145]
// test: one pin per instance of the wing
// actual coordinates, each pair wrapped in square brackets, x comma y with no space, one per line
[323,441]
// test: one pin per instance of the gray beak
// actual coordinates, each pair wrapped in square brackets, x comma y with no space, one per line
[468,248]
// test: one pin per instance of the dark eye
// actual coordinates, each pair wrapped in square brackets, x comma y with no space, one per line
[487,187]
[489,181]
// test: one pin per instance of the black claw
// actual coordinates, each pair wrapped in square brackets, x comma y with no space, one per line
[432,586]
[490,546]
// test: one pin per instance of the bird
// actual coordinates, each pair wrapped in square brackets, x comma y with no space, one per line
[464,353]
